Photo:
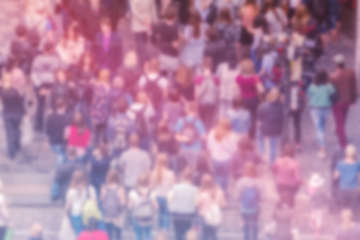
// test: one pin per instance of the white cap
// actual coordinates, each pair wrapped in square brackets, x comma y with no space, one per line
[339,58]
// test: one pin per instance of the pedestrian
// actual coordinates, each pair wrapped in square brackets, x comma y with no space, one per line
[134,162]
[113,198]
[271,120]
[248,194]
[182,203]
[76,197]
[210,202]
[143,207]
[348,228]
[320,95]
[93,232]
[344,81]
[287,176]
[250,90]
[162,180]
[13,112]
[347,172]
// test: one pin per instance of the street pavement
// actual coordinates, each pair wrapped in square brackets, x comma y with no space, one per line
[27,181]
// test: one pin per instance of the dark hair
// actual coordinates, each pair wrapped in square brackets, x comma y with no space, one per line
[174,95]
[341,65]
[321,78]
[170,13]
[121,106]
[195,21]
[21,30]
[225,15]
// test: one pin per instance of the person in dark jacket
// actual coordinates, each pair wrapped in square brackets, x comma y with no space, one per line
[55,130]
[107,47]
[13,112]
[270,117]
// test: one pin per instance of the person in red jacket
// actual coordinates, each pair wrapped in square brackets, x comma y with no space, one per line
[93,232]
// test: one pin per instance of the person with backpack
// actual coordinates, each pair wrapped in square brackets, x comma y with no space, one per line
[77,196]
[247,192]
[182,203]
[113,200]
[162,180]
[143,207]
[210,201]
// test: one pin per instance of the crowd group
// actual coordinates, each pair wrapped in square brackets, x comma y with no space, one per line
[163,113]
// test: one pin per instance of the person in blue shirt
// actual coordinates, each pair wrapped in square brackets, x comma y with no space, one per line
[190,132]
[348,174]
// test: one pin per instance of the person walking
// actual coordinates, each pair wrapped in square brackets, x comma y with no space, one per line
[344,81]
[320,95]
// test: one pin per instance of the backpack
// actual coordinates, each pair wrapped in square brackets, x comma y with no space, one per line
[250,199]
[213,216]
[112,208]
[154,92]
[144,211]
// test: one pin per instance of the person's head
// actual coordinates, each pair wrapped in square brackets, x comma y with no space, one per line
[191,235]
[72,32]
[36,231]
[288,150]
[60,106]
[250,170]
[105,26]
[134,140]
[21,31]
[223,128]
[268,6]
[207,182]
[142,97]
[350,151]
[112,177]
[273,95]
[130,59]
[247,67]
[79,119]
[121,106]
[195,22]
[118,81]
[187,175]
[246,144]
[321,78]
[143,181]
[191,109]
[346,215]
[153,65]
[207,65]
[225,16]
[170,14]
[87,59]
[61,76]
[174,95]
[78,179]
[162,160]
[104,75]
[339,60]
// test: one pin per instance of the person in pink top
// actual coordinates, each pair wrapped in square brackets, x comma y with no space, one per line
[287,175]
[78,135]
[250,90]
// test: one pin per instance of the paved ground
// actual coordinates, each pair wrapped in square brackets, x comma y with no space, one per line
[27,182]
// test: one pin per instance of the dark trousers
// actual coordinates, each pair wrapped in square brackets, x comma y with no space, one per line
[182,224]
[141,40]
[40,112]
[100,135]
[114,232]
[251,105]
[296,117]
[349,199]
[287,194]
[340,111]
[13,134]
[209,232]
[250,227]
[2,233]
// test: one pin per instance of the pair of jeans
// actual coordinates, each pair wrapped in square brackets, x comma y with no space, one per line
[251,105]
[340,111]
[296,117]
[141,232]
[209,232]
[59,151]
[3,231]
[319,117]
[77,224]
[114,232]
[163,214]
[269,146]
[13,134]
[182,224]
[250,227]
[222,172]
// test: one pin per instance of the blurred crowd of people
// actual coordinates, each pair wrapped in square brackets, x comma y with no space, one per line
[155,109]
